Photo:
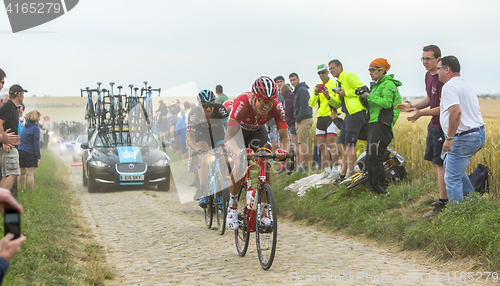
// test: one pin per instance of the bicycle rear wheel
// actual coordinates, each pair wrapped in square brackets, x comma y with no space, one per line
[220,205]
[209,211]
[266,236]
[241,235]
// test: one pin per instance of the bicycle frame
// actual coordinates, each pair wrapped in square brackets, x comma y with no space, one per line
[261,180]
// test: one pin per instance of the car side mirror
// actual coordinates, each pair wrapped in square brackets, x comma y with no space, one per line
[84,145]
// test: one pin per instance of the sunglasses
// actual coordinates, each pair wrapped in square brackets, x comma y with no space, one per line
[266,101]
[373,69]
[2,82]
[207,105]
[426,59]
[322,72]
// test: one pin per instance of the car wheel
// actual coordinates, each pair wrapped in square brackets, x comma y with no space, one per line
[92,185]
[165,186]
[85,181]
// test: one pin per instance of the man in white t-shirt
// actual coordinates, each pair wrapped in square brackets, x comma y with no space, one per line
[462,125]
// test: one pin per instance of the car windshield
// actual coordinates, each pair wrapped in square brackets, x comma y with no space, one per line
[82,139]
[125,138]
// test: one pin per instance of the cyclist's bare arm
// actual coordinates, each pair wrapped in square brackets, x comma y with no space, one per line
[190,140]
[285,140]
[230,140]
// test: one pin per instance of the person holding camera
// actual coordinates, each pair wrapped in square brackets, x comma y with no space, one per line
[9,247]
[355,114]
[326,130]
[382,113]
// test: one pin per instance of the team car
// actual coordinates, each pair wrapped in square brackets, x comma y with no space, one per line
[117,156]
[77,150]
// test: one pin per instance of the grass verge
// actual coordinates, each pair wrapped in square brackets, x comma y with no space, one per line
[469,229]
[60,249]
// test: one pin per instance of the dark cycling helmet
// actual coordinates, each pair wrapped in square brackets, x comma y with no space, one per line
[265,88]
[206,96]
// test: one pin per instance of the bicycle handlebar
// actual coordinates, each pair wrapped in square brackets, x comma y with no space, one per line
[273,156]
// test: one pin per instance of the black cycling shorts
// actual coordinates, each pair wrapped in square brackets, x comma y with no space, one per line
[258,139]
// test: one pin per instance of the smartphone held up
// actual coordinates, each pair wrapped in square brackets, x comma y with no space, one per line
[12,222]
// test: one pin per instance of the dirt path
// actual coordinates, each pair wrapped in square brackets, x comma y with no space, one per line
[152,239]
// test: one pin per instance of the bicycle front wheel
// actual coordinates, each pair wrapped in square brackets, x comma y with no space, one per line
[209,212]
[241,235]
[221,205]
[266,226]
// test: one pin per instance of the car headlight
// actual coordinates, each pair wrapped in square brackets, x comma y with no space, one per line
[161,163]
[99,164]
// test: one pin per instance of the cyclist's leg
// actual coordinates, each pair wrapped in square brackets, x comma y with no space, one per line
[260,142]
[203,170]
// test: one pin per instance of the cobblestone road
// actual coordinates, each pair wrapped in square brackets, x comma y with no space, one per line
[152,239]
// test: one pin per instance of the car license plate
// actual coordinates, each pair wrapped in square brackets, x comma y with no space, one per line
[131,177]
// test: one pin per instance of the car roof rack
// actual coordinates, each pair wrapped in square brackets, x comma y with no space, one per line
[106,108]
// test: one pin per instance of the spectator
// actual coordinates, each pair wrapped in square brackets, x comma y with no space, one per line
[46,139]
[463,127]
[326,130]
[20,110]
[187,109]
[162,115]
[435,137]
[180,132]
[383,98]
[355,115]
[29,150]
[280,81]
[221,97]
[303,119]
[178,105]
[173,122]
[9,119]
[289,117]
[41,129]
[8,136]
[9,247]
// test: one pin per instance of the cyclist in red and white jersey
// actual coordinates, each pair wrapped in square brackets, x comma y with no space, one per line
[251,111]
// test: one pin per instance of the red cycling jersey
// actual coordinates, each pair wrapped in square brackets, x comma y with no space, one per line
[242,114]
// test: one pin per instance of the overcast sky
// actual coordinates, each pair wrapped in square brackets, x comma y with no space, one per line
[171,43]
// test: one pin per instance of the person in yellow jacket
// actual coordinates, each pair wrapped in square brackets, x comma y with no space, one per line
[355,114]
[326,130]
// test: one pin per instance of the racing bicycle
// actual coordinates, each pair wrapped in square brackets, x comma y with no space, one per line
[251,209]
[218,191]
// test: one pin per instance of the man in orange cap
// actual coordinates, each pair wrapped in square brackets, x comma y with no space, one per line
[383,114]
